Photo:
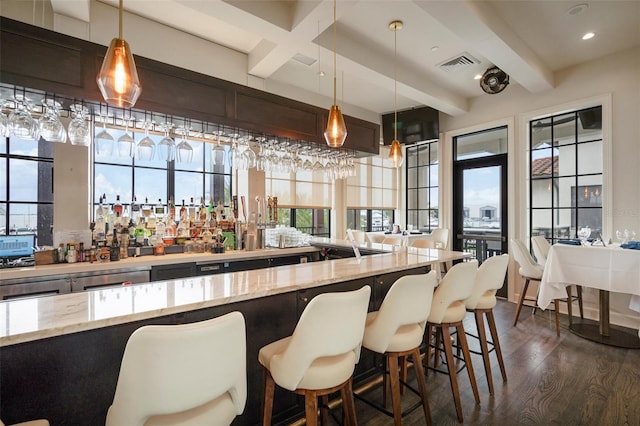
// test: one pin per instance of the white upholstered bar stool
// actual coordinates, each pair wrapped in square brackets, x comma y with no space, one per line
[448,310]
[541,249]
[320,356]
[40,422]
[489,278]
[397,331]
[530,271]
[441,237]
[187,374]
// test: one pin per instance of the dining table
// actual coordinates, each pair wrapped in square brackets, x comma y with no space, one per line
[606,268]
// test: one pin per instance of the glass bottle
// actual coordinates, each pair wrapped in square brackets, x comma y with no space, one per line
[183,212]
[114,254]
[203,211]
[117,208]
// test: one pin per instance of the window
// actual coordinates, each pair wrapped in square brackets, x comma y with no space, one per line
[566,173]
[370,220]
[26,192]
[422,186]
[116,173]
[304,195]
[372,194]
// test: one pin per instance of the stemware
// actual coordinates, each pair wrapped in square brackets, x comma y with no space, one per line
[217,152]
[126,143]
[104,140]
[167,146]
[233,152]
[146,145]
[184,151]
[583,234]
[51,129]
[21,123]
[248,153]
[79,133]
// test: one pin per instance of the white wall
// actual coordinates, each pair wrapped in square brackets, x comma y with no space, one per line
[617,77]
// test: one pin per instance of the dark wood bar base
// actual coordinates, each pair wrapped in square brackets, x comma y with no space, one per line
[71,379]
[620,337]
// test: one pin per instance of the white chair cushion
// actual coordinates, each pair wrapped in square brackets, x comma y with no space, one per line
[487,300]
[220,412]
[325,372]
[406,337]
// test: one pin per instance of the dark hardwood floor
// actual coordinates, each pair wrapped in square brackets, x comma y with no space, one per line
[552,380]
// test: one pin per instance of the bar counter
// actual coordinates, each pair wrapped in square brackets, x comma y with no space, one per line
[60,355]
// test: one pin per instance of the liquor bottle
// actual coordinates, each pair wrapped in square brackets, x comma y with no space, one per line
[135,209]
[159,209]
[114,253]
[192,210]
[183,212]
[172,211]
[117,208]
[203,211]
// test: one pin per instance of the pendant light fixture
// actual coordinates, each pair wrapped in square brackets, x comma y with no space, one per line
[118,79]
[395,153]
[336,131]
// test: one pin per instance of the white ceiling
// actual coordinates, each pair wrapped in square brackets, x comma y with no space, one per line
[530,40]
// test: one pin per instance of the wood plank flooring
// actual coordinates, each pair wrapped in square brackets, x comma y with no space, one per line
[552,380]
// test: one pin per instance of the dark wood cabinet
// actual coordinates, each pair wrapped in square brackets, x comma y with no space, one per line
[36,58]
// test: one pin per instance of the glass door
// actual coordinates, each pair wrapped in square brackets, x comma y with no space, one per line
[480,195]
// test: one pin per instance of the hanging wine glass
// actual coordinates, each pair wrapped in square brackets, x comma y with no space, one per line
[260,158]
[233,152]
[248,154]
[217,152]
[104,140]
[51,129]
[21,123]
[167,146]
[146,145]
[126,143]
[4,121]
[184,151]
[79,129]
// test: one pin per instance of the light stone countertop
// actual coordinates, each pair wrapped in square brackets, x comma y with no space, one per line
[24,320]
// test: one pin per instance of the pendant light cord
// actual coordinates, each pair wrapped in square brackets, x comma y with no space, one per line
[120,20]
[334,53]
[395,83]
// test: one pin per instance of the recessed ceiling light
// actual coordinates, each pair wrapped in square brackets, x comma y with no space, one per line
[434,48]
[477,76]
[577,9]
[588,36]
[321,73]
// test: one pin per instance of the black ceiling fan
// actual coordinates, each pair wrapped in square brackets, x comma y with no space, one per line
[494,80]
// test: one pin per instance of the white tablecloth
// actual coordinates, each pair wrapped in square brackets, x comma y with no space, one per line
[605,268]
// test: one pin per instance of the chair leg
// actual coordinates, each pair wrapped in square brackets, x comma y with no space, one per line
[467,360]
[579,289]
[269,389]
[324,409]
[438,345]
[569,305]
[427,347]
[496,343]
[394,379]
[521,301]
[556,304]
[348,404]
[422,386]
[403,374]
[453,378]
[482,336]
[311,407]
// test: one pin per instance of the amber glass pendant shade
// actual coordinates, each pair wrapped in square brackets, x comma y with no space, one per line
[336,131]
[118,79]
[395,154]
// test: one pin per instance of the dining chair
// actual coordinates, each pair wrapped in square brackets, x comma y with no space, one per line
[394,241]
[541,249]
[529,270]
[396,331]
[358,236]
[448,311]
[423,243]
[376,238]
[320,356]
[187,374]
[441,237]
[489,278]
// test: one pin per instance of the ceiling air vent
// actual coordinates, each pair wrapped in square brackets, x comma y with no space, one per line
[459,62]
[303,59]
